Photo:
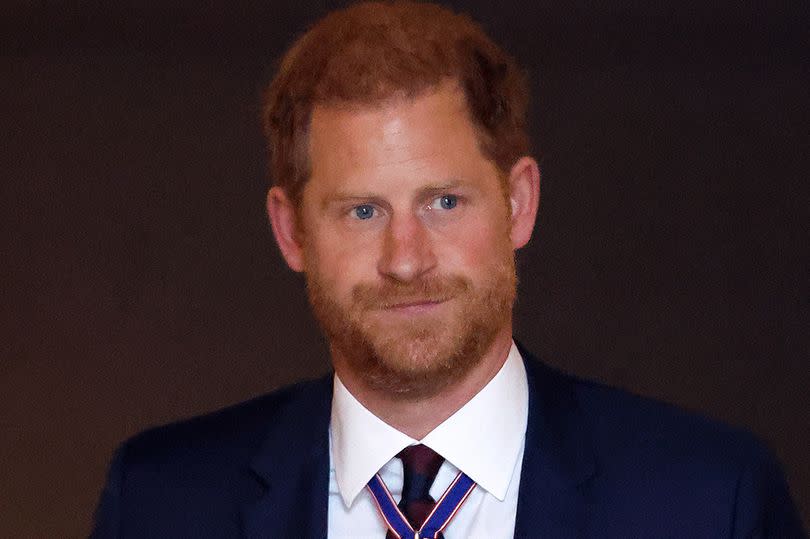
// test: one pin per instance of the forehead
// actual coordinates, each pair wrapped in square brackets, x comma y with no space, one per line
[429,135]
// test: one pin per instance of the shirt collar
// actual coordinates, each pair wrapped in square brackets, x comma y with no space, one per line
[483,438]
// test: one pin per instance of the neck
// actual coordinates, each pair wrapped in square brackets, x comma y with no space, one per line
[418,417]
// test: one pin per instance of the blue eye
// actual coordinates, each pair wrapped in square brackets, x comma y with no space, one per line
[445,202]
[449,202]
[365,211]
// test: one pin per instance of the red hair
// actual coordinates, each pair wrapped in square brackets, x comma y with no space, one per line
[371,52]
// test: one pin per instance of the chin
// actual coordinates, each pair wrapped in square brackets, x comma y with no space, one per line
[414,353]
[420,362]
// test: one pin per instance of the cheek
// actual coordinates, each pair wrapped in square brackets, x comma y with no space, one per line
[475,247]
[341,262]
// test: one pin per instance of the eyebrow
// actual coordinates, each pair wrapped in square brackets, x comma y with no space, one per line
[441,188]
[422,192]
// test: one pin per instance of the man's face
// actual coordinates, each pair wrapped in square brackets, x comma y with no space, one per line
[405,233]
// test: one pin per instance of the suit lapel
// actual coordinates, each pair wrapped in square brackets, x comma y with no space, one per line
[293,468]
[557,459]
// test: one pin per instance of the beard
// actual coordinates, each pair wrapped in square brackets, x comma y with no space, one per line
[416,356]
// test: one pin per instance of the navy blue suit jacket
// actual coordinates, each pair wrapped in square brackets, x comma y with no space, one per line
[598,463]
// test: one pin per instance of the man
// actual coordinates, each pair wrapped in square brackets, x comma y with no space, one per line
[402,189]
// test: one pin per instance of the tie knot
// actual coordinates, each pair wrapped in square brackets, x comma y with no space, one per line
[420,465]
[421,459]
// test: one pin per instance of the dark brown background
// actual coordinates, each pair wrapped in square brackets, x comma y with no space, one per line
[140,283]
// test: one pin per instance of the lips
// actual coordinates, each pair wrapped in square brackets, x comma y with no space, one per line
[414,303]
[402,297]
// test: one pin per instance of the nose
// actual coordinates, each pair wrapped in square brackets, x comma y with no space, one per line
[407,251]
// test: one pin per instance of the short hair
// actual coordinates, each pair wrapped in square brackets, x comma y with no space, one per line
[371,52]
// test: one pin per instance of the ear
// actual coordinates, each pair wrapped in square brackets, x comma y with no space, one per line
[285,227]
[524,197]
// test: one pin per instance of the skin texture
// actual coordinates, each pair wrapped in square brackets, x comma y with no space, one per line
[407,242]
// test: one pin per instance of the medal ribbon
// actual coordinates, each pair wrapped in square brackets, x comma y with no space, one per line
[445,509]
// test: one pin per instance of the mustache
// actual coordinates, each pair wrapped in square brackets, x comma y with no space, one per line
[390,293]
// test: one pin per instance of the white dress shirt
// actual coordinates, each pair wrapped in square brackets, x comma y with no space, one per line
[484,439]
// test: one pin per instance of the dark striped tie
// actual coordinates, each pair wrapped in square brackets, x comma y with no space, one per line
[420,464]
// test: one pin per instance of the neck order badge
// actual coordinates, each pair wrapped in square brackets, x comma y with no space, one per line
[444,510]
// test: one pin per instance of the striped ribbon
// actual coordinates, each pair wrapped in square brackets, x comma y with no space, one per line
[445,509]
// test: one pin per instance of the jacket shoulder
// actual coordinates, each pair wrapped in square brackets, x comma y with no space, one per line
[233,432]
[655,461]
[189,478]
[622,419]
